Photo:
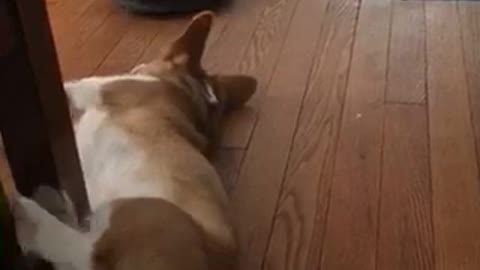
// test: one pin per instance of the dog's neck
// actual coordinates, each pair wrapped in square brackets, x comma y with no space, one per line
[205,108]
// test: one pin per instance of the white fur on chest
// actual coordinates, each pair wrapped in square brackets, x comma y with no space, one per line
[113,166]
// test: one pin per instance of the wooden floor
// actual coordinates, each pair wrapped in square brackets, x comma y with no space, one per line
[360,149]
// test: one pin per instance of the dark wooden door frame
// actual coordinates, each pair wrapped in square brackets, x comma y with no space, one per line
[34,116]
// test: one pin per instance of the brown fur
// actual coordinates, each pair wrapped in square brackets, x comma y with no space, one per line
[158,235]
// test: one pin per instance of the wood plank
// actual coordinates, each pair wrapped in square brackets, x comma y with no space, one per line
[61,9]
[85,58]
[64,13]
[72,31]
[456,188]
[406,229]
[351,233]
[237,128]
[298,229]
[470,25]
[250,44]
[228,161]
[233,31]
[255,195]
[407,66]
[139,34]
[169,29]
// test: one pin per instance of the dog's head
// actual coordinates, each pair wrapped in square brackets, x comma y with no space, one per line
[182,59]
[185,86]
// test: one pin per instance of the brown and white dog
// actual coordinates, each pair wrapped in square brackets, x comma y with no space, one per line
[143,137]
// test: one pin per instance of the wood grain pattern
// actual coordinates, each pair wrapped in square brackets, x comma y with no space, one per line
[297,234]
[351,233]
[262,172]
[65,14]
[238,127]
[228,162]
[406,69]
[169,29]
[75,27]
[406,230]
[456,189]
[253,41]
[139,34]
[91,53]
[233,34]
[469,13]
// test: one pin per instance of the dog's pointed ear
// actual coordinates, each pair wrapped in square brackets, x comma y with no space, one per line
[235,90]
[189,47]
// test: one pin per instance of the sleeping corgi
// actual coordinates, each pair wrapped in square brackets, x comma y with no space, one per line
[143,139]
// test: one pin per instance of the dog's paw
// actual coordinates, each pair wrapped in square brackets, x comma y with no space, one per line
[28,218]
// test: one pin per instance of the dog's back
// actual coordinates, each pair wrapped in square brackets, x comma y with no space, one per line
[140,140]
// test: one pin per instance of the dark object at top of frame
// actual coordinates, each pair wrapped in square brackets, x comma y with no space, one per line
[152,7]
